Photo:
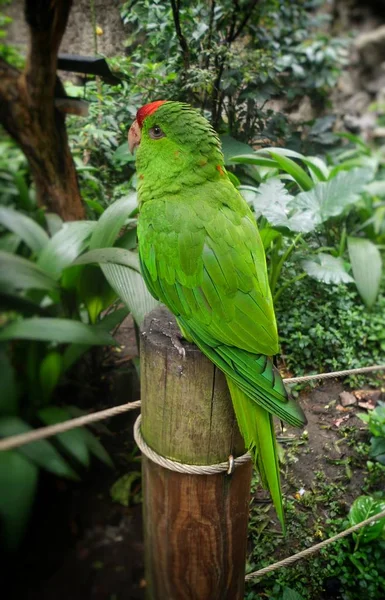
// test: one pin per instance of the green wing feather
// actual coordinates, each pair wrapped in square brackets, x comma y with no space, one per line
[204,259]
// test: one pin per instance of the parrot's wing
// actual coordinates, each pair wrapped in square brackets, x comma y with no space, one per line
[224,305]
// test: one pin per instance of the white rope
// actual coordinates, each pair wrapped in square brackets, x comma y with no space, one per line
[41,433]
[44,432]
[333,374]
[294,557]
[182,467]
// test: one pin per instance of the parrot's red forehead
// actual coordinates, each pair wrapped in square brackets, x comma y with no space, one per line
[147,110]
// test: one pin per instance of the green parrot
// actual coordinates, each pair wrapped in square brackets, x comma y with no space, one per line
[202,256]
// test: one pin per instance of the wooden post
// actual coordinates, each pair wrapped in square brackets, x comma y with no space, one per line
[195,526]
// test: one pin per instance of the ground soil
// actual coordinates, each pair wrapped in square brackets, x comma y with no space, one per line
[82,545]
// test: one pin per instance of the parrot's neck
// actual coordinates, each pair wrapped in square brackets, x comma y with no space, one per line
[158,177]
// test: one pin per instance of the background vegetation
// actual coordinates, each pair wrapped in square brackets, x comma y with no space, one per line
[317,194]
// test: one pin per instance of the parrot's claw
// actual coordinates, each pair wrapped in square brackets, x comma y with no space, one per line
[175,340]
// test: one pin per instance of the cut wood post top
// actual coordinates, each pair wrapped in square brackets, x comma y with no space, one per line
[187,413]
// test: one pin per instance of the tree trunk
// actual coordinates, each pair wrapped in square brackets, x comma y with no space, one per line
[28,113]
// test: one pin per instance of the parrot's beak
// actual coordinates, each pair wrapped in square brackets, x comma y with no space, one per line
[134,136]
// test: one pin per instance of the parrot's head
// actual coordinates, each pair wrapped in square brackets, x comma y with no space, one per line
[173,140]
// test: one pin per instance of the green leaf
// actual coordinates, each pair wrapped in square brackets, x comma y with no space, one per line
[291,167]
[268,235]
[366,264]
[62,331]
[252,159]
[377,449]
[128,240]
[9,242]
[363,508]
[73,352]
[18,481]
[315,164]
[112,220]
[65,246]
[327,268]
[121,490]
[50,371]
[232,147]
[54,223]
[96,448]
[28,230]
[326,199]
[96,206]
[18,273]
[130,287]
[272,201]
[14,302]
[289,594]
[119,256]
[376,188]
[41,453]
[95,291]
[9,397]
[122,155]
[73,441]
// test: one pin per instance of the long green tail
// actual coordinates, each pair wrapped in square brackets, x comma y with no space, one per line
[257,429]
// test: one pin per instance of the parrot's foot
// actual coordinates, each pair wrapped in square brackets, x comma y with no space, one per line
[175,338]
[176,342]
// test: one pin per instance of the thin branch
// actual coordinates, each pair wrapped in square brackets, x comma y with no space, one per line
[175,5]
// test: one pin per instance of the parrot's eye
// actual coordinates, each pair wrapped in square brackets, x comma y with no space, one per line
[156,133]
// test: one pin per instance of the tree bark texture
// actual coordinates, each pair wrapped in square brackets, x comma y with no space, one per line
[195,526]
[28,113]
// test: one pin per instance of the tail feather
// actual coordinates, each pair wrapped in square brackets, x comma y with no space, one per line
[256,426]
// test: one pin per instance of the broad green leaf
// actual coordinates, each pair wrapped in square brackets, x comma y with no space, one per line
[18,273]
[377,449]
[315,164]
[50,371]
[121,490]
[65,247]
[112,221]
[252,159]
[376,188]
[18,481]
[73,441]
[232,147]
[73,352]
[130,287]
[28,230]
[9,397]
[96,206]
[41,452]
[54,223]
[330,198]
[363,508]
[96,448]
[366,264]
[62,331]
[119,256]
[122,155]
[11,300]
[289,594]
[355,139]
[291,167]
[26,200]
[95,291]
[272,201]
[370,165]
[327,268]
[9,242]
[268,235]
[128,240]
